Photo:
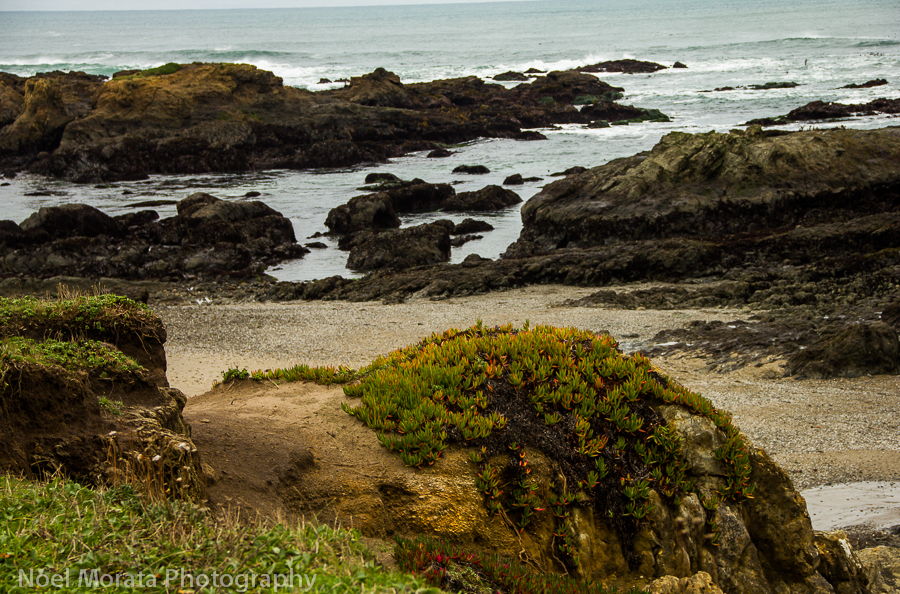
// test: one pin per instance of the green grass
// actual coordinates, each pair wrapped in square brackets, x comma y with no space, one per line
[118,541]
[90,355]
[71,316]
[326,375]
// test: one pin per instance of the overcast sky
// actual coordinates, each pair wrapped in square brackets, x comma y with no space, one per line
[199,4]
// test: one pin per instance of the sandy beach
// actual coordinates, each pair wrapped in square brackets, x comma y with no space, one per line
[822,432]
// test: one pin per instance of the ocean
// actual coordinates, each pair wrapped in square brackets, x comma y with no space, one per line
[820,44]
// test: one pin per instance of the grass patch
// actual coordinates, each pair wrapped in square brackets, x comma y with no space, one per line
[168,68]
[114,407]
[117,541]
[90,355]
[73,315]
[325,376]
[568,393]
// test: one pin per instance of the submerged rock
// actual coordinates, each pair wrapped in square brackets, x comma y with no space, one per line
[875,82]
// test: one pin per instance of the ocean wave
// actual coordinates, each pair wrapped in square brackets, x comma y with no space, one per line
[231,54]
[877,43]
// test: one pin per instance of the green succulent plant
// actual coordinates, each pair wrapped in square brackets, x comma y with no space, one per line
[570,394]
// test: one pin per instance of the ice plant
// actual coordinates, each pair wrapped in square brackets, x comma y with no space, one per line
[567,393]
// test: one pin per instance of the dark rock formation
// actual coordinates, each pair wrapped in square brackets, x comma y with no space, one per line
[471,226]
[627,66]
[858,349]
[370,211]
[379,210]
[234,117]
[208,238]
[678,65]
[875,82]
[378,177]
[570,171]
[563,87]
[510,76]
[70,220]
[516,180]
[439,153]
[762,87]
[471,169]
[486,199]
[416,246]
[613,112]
[821,110]
[420,196]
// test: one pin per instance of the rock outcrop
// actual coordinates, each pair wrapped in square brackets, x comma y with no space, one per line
[628,66]
[775,192]
[421,245]
[850,351]
[197,118]
[208,238]
[825,111]
[699,539]
[95,423]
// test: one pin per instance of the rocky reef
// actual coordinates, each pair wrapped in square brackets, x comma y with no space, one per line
[197,118]
[817,111]
[802,218]
[84,394]
[209,238]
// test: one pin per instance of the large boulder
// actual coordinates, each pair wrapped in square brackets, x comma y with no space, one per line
[714,185]
[486,199]
[70,220]
[370,211]
[419,196]
[479,437]
[404,248]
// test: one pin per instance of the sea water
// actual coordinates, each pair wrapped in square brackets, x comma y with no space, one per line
[820,44]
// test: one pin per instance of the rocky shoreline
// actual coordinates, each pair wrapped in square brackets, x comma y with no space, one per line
[197,118]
